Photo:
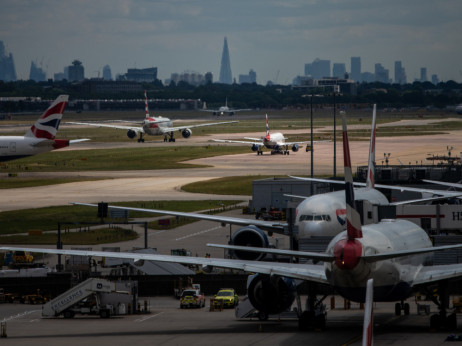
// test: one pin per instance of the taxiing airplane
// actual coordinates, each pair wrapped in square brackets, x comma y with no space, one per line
[396,254]
[155,126]
[40,138]
[274,141]
[223,109]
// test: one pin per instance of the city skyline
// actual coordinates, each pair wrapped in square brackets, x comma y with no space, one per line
[275,38]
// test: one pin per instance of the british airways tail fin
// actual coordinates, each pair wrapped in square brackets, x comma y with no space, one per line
[146,108]
[47,125]
[352,216]
[267,126]
[368,314]
[370,179]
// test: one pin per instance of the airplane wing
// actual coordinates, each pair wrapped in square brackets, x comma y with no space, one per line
[181,128]
[292,270]
[456,185]
[137,129]
[257,141]
[430,274]
[391,187]
[266,225]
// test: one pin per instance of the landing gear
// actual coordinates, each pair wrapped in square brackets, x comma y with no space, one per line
[442,320]
[402,307]
[141,139]
[171,139]
[259,152]
[314,317]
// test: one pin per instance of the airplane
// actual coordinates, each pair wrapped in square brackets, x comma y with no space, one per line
[274,141]
[223,109]
[395,254]
[155,126]
[40,138]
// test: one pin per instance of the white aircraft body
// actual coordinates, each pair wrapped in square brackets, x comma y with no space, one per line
[396,254]
[40,138]
[274,141]
[223,110]
[155,126]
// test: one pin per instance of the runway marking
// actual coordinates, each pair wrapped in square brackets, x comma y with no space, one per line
[197,233]
[148,317]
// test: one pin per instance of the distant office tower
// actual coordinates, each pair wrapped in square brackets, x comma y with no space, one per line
[400,73]
[381,74]
[209,78]
[308,69]
[435,79]
[355,68]
[338,70]
[7,70]
[248,78]
[423,74]
[226,77]
[147,75]
[76,71]
[36,73]
[107,74]
[320,68]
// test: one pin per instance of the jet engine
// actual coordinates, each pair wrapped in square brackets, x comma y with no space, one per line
[254,147]
[295,148]
[271,294]
[249,236]
[186,133]
[131,134]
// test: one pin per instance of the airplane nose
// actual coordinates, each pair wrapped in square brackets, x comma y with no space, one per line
[310,229]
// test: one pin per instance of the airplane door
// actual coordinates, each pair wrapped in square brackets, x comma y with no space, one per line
[12,147]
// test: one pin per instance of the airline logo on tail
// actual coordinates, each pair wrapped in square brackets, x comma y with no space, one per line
[146,109]
[341,216]
[267,137]
[47,125]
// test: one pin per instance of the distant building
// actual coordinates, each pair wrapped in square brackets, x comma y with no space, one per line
[36,73]
[59,76]
[248,78]
[144,75]
[318,69]
[381,74]
[423,74]
[400,73]
[99,86]
[367,77]
[190,77]
[209,78]
[7,70]
[76,71]
[107,74]
[226,77]
[338,70]
[341,85]
[435,79]
[356,68]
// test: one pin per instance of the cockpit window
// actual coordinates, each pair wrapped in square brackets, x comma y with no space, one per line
[315,217]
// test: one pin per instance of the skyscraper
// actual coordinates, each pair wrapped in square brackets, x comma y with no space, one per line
[7,70]
[36,73]
[400,73]
[338,70]
[423,74]
[356,68]
[76,71]
[226,77]
[107,75]
[381,74]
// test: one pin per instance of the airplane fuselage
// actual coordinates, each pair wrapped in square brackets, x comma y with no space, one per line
[324,214]
[16,147]
[156,126]
[392,278]
[274,140]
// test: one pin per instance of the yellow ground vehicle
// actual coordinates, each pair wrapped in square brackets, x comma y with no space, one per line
[227,297]
[192,298]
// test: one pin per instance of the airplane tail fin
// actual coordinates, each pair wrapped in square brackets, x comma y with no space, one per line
[368,314]
[370,179]
[267,125]
[146,108]
[47,125]
[352,215]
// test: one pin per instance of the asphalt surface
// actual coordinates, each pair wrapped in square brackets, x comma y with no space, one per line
[167,324]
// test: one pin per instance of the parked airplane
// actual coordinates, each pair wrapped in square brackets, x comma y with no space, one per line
[396,254]
[155,126]
[274,141]
[40,138]
[223,109]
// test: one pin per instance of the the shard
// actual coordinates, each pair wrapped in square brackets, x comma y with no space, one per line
[226,76]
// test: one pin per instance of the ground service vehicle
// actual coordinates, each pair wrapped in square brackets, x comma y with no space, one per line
[227,297]
[192,298]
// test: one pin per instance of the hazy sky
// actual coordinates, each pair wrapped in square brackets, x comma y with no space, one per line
[273,37]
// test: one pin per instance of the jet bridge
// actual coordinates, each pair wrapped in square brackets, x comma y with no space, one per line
[76,294]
